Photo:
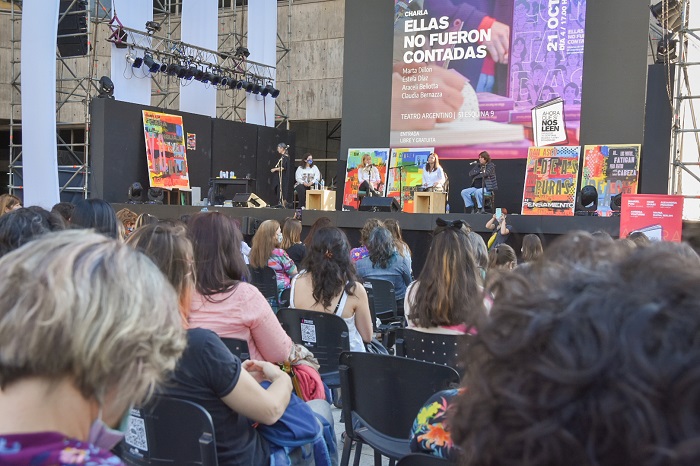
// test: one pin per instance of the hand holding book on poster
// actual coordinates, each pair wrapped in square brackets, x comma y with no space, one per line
[499,45]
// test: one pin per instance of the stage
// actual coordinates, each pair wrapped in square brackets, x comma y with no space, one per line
[416,227]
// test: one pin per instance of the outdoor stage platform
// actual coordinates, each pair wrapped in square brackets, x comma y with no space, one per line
[416,227]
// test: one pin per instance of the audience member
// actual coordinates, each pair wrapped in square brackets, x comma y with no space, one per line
[329,283]
[447,297]
[502,257]
[223,302]
[383,262]
[64,209]
[531,248]
[479,253]
[96,214]
[291,240]
[145,219]
[8,203]
[266,252]
[360,253]
[320,222]
[500,227]
[88,328]
[589,361]
[128,220]
[402,248]
[430,433]
[26,224]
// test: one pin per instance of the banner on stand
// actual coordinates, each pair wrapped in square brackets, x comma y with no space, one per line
[658,216]
[611,169]
[551,180]
[165,151]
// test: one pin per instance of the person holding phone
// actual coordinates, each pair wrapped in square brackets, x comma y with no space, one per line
[499,224]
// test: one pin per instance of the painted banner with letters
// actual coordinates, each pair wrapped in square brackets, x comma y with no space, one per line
[551,180]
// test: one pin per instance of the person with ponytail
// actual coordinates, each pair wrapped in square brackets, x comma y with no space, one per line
[329,283]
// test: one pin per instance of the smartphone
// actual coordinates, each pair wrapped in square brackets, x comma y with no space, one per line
[499,213]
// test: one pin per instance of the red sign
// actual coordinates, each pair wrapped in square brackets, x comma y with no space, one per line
[658,216]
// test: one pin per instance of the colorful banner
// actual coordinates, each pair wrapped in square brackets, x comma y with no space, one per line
[612,169]
[466,73]
[380,157]
[659,216]
[165,151]
[406,174]
[551,181]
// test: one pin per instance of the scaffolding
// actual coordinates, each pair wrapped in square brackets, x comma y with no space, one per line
[77,85]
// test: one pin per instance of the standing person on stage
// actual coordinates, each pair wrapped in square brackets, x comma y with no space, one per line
[433,174]
[306,176]
[281,181]
[483,182]
[368,177]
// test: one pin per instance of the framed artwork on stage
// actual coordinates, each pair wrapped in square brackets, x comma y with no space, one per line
[380,157]
[612,169]
[165,151]
[551,180]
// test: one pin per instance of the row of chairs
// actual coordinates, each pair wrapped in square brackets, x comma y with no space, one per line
[173,431]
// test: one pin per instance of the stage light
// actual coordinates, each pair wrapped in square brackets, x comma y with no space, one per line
[182,73]
[248,86]
[234,83]
[135,61]
[174,69]
[666,50]
[150,63]
[135,193]
[206,77]
[267,90]
[152,26]
[670,19]
[275,93]
[223,81]
[616,203]
[155,195]
[242,52]
[215,79]
[587,203]
[191,72]
[256,88]
[106,90]
[199,74]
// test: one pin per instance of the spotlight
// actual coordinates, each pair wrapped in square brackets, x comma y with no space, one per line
[163,67]
[155,195]
[191,72]
[616,203]
[224,80]
[206,77]
[174,69]
[135,193]
[267,90]
[106,90]
[671,20]
[150,63]
[182,72]
[199,74]
[256,88]
[587,203]
[275,93]
[152,26]
[215,79]
[135,61]
[666,50]
[233,83]
[247,85]
[242,52]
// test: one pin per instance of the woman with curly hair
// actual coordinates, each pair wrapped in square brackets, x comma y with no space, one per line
[266,251]
[8,203]
[330,284]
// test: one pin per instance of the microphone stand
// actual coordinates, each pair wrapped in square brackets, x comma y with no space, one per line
[279,175]
[400,168]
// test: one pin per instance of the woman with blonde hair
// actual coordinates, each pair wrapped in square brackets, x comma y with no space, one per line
[88,327]
[291,240]
[8,203]
[266,251]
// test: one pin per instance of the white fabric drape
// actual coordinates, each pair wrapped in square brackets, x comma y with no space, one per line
[131,84]
[200,21]
[262,44]
[38,79]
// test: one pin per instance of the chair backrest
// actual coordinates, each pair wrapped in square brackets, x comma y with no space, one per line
[370,299]
[169,431]
[325,335]
[421,459]
[387,392]
[237,347]
[430,347]
[265,280]
[384,297]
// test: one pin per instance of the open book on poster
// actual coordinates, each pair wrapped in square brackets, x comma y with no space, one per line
[548,124]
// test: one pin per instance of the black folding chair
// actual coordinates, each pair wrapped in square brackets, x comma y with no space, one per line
[237,347]
[265,280]
[385,330]
[325,335]
[430,347]
[384,299]
[169,431]
[383,395]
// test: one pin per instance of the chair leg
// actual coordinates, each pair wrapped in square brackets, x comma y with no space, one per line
[358,452]
[347,446]
[377,458]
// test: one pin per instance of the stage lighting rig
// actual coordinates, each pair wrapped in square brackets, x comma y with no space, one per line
[106,90]
[135,61]
[242,52]
[152,27]
[152,65]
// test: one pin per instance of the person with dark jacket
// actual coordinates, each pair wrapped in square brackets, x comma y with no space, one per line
[483,182]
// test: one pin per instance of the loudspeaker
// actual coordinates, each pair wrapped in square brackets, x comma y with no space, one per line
[379,204]
[248,200]
[72,38]
[249,225]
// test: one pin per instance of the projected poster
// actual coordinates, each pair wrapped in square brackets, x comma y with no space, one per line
[612,169]
[551,181]
[405,174]
[165,151]
[378,158]
[467,72]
